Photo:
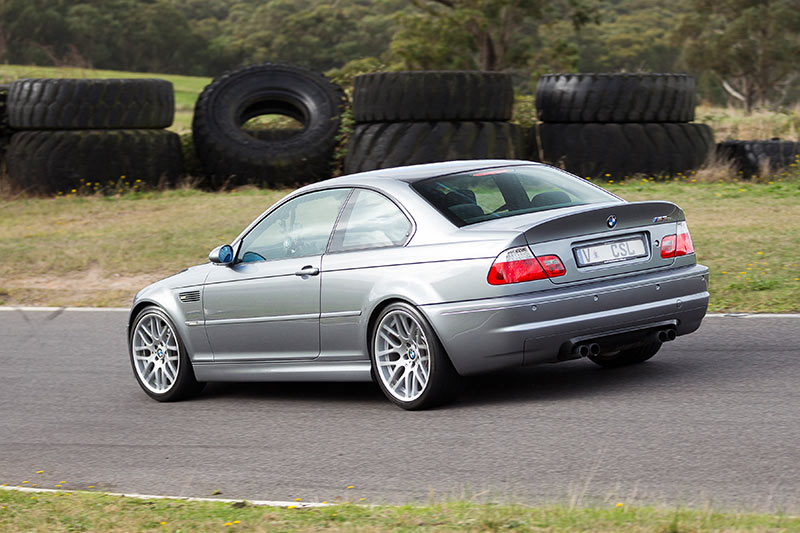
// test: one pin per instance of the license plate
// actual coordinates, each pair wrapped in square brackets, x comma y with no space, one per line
[610,252]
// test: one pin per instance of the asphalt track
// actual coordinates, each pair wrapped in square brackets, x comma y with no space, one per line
[713,419]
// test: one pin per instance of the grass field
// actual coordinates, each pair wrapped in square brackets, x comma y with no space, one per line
[55,512]
[99,250]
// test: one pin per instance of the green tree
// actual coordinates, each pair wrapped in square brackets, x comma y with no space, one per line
[751,46]
[484,34]
[34,31]
[633,35]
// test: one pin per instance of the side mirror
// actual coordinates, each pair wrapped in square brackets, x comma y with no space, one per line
[221,255]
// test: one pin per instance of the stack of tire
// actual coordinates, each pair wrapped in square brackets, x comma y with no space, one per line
[619,125]
[753,158]
[407,118]
[71,132]
[5,129]
[233,155]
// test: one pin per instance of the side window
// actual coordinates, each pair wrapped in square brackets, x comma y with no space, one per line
[370,220]
[298,228]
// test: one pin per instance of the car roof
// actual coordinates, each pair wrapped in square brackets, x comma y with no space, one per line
[415,173]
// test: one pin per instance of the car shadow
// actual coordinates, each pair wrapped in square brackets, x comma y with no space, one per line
[571,380]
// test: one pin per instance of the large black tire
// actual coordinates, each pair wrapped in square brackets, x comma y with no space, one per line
[432,95]
[418,347]
[622,150]
[5,130]
[232,156]
[48,162]
[82,104]
[631,356]
[384,145]
[752,157]
[615,98]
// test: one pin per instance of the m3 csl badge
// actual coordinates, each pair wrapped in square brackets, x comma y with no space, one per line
[611,221]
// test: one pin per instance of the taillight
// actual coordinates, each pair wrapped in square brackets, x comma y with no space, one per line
[677,245]
[685,245]
[552,265]
[519,264]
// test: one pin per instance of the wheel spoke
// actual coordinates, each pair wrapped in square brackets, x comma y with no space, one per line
[141,332]
[390,342]
[394,378]
[421,376]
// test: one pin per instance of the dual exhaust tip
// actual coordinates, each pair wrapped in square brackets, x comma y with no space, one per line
[665,335]
[587,349]
[592,348]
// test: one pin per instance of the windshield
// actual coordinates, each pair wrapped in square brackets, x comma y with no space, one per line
[481,195]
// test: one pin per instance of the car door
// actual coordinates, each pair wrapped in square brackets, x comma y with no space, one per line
[266,305]
[368,240]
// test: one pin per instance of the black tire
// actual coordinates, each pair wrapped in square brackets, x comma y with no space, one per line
[752,157]
[443,380]
[231,156]
[185,384]
[48,162]
[5,129]
[384,145]
[432,95]
[622,150]
[99,104]
[615,98]
[631,356]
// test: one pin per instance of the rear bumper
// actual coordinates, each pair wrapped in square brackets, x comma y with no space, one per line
[489,334]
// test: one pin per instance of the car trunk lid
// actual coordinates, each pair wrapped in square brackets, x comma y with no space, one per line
[607,240]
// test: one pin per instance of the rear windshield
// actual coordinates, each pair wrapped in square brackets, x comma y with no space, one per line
[481,195]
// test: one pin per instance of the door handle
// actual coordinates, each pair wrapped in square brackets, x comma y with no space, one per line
[307,271]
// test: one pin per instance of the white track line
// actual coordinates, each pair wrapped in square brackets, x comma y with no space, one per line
[269,503]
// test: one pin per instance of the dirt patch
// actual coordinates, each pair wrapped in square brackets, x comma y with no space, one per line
[91,287]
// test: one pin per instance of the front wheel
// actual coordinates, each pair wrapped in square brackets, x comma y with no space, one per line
[631,356]
[410,365]
[159,359]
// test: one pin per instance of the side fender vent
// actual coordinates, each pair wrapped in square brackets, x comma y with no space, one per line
[191,296]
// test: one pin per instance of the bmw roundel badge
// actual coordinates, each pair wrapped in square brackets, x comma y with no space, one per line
[611,221]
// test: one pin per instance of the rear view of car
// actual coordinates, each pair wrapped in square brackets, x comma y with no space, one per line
[584,274]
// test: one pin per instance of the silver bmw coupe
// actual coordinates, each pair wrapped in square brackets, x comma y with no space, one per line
[416,276]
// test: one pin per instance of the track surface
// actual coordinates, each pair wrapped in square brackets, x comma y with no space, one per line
[713,419]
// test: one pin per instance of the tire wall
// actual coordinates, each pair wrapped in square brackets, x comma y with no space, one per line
[409,118]
[48,162]
[751,158]
[231,155]
[5,129]
[619,125]
[71,132]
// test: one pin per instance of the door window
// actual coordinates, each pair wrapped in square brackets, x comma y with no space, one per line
[301,227]
[370,220]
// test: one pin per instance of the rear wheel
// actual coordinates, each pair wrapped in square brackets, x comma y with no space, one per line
[159,359]
[627,357]
[408,361]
